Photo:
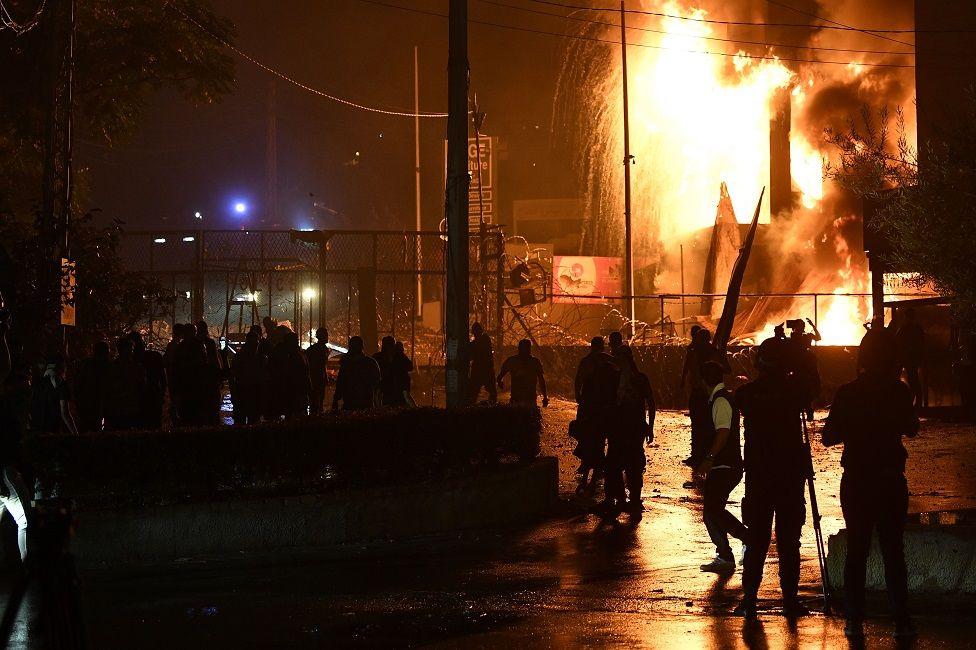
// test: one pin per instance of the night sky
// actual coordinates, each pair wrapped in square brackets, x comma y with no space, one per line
[187,158]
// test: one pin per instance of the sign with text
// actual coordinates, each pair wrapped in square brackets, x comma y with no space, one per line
[486,181]
[586,280]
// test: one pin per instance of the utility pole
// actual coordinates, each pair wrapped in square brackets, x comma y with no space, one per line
[56,184]
[458,182]
[628,161]
[416,158]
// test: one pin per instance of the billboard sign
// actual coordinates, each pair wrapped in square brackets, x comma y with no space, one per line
[586,280]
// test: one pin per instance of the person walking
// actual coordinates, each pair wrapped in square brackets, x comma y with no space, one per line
[527,376]
[776,465]
[482,359]
[869,417]
[358,381]
[910,346]
[721,469]
[633,428]
[317,356]
[597,378]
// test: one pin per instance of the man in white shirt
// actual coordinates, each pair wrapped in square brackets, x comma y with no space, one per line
[721,470]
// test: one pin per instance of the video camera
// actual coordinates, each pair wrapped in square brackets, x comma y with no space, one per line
[795,323]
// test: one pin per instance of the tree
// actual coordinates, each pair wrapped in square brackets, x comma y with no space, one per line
[927,212]
[125,51]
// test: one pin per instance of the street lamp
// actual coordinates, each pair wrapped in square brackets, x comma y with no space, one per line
[240,207]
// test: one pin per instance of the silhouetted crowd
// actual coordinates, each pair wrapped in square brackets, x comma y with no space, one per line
[269,377]
[761,432]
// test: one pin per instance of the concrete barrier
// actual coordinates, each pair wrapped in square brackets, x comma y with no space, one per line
[940,552]
[506,496]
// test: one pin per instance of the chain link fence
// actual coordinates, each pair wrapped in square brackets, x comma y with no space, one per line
[234,279]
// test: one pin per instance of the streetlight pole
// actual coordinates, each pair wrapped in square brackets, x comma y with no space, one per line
[628,161]
[458,182]
[416,157]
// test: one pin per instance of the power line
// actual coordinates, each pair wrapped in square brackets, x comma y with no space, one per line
[321,93]
[746,23]
[707,38]
[580,37]
[834,22]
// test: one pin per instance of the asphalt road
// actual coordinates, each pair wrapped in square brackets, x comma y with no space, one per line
[568,582]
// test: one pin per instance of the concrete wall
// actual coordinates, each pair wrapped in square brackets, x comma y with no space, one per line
[940,560]
[507,496]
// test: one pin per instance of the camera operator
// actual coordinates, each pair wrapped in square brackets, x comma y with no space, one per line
[803,362]
[776,465]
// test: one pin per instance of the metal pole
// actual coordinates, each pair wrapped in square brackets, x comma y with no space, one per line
[458,183]
[684,325]
[628,161]
[815,515]
[416,156]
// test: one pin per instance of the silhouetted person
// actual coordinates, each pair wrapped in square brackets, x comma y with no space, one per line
[289,380]
[700,352]
[193,382]
[721,469]
[248,376]
[877,343]
[633,427]
[869,416]
[317,356]
[615,341]
[404,366]
[215,370]
[776,465]
[597,379]
[154,388]
[803,362]
[391,372]
[910,345]
[51,400]
[126,382]
[91,388]
[482,359]
[527,376]
[358,380]
[169,361]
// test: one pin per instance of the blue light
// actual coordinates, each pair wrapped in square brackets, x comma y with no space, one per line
[240,207]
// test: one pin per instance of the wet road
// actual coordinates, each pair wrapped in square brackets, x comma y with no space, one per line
[568,582]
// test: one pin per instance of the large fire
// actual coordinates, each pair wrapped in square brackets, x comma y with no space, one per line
[698,120]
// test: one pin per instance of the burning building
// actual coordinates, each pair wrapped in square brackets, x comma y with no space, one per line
[725,99]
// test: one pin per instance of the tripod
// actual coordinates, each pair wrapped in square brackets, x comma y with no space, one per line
[815,513]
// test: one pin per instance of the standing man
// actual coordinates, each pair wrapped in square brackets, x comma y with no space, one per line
[597,378]
[527,375]
[776,466]
[317,356]
[910,343]
[359,379]
[721,469]
[482,358]
[869,416]
[633,427]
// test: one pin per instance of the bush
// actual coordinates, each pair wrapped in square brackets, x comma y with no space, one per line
[299,456]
